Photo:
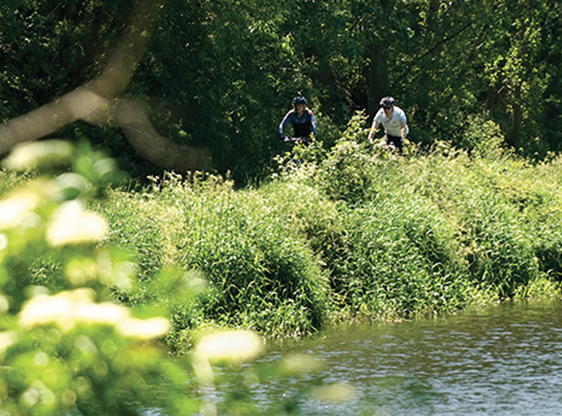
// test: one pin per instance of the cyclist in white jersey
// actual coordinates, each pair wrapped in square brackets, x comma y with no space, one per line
[393,120]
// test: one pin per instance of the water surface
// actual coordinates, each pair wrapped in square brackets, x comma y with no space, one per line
[502,360]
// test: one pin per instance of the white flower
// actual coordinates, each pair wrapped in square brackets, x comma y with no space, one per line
[76,307]
[31,155]
[3,241]
[144,329]
[14,209]
[7,339]
[100,313]
[230,346]
[71,224]
[70,308]
[59,309]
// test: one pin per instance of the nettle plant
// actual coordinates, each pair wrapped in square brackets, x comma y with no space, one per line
[66,345]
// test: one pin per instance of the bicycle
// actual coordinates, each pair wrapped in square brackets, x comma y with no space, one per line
[294,140]
[295,143]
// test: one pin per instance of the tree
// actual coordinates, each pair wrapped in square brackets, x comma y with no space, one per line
[97,100]
[215,78]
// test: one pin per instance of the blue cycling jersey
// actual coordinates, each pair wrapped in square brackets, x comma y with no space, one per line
[302,126]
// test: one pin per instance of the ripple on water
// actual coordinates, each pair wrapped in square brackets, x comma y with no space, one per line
[504,360]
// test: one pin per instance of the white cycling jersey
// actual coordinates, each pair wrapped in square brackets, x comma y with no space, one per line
[392,126]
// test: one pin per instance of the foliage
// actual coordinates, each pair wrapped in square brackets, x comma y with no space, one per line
[343,230]
[48,49]
[478,222]
[261,275]
[481,137]
[221,75]
[359,233]
[347,171]
[64,345]
[89,274]
[67,346]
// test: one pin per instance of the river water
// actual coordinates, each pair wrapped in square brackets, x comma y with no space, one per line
[501,360]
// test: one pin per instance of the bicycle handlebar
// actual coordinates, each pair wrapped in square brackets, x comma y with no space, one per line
[296,139]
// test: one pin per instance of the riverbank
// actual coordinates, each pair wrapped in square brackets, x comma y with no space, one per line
[350,234]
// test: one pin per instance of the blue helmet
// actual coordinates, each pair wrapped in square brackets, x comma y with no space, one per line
[299,100]
[387,102]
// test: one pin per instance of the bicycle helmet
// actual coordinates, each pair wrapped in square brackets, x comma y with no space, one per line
[387,102]
[299,100]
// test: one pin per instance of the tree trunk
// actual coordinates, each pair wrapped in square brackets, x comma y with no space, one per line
[511,139]
[375,76]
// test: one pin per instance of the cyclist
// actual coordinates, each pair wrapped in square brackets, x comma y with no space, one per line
[302,119]
[393,119]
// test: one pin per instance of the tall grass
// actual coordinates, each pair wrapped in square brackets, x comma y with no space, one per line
[260,274]
[358,233]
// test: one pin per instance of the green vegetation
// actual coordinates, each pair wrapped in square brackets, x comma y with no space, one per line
[67,345]
[220,75]
[99,283]
[355,234]
[96,281]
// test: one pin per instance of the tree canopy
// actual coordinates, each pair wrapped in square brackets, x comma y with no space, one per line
[203,80]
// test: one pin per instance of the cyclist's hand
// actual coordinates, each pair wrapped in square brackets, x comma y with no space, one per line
[281,138]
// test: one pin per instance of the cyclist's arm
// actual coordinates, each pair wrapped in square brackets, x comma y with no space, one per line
[283,124]
[313,123]
[374,127]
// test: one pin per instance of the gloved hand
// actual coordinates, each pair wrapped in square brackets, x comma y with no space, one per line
[281,138]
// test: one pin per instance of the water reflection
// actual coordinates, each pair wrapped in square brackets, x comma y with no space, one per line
[503,360]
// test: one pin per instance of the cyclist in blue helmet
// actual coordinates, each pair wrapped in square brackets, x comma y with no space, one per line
[302,119]
[393,120]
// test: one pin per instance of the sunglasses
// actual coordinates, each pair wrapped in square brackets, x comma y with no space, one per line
[387,107]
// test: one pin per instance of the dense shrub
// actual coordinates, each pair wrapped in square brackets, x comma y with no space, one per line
[261,275]
[356,233]
[66,346]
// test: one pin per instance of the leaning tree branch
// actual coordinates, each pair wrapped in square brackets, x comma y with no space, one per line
[98,102]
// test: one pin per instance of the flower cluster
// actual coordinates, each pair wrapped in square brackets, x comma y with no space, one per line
[76,307]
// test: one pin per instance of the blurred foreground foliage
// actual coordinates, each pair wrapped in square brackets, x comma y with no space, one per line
[67,345]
